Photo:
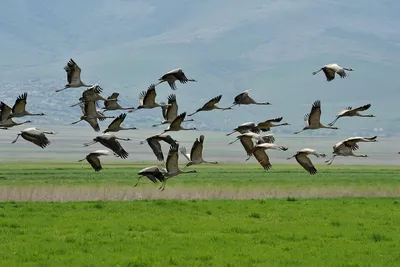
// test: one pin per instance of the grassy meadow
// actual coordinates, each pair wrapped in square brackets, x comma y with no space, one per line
[59,214]
[273,232]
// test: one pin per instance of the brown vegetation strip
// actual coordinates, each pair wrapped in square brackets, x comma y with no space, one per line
[123,193]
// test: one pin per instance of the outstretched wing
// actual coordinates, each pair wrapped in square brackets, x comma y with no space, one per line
[267,139]
[5,111]
[212,102]
[38,138]
[243,99]
[329,73]
[156,147]
[150,96]
[197,149]
[352,141]
[306,119]
[362,108]
[95,89]
[114,95]
[20,103]
[142,95]
[262,158]
[164,108]
[172,110]
[172,160]
[247,143]
[279,119]
[315,114]
[117,121]
[94,161]
[352,144]
[183,151]
[180,76]
[73,72]
[94,123]
[116,147]
[306,163]
[266,125]
[178,120]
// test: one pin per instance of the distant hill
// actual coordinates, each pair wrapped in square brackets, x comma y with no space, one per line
[269,46]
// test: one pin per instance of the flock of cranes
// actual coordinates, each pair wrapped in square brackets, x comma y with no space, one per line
[249,133]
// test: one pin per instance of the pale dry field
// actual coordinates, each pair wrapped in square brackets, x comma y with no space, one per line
[125,193]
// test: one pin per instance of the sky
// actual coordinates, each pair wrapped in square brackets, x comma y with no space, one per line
[269,46]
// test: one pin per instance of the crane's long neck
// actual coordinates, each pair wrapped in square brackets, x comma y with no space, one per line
[216,107]
[211,162]
[104,117]
[138,181]
[164,122]
[15,140]
[305,128]
[76,104]
[90,143]
[315,72]
[195,112]
[231,133]
[262,103]
[77,121]
[187,129]
[128,128]
[20,123]
[123,139]
[334,121]
[62,89]
[328,127]
[237,139]
[192,171]
[279,148]
[279,124]
[360,156]
[160,82]
[364,115]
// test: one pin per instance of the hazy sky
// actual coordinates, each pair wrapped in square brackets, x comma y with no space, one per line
[228,46]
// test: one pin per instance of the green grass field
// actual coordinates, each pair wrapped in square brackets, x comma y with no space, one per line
[282,217]
[307,232]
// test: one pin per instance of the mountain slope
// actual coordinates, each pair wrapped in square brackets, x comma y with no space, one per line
[269,46]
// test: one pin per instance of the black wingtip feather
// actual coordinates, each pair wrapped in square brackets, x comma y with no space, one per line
[317,104]
[313,171]
[171,98]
